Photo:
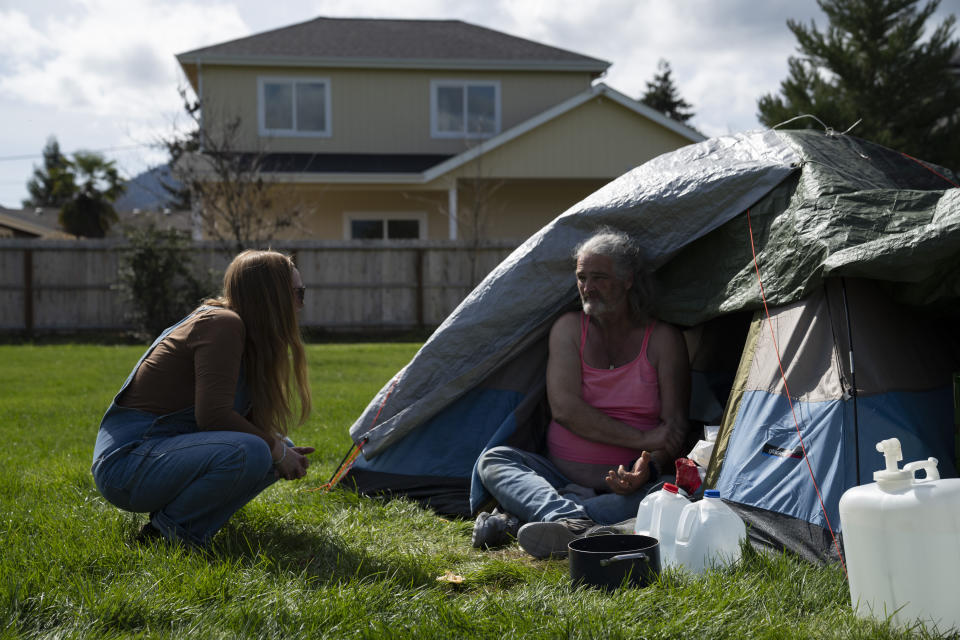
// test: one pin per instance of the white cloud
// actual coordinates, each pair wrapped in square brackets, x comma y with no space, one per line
[101,74]
[20,44]
[110,58]
[98,74]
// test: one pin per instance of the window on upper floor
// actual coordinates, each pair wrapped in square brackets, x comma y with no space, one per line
[294,106]
[462,109]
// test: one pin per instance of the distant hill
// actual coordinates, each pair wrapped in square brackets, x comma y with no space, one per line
[145,191]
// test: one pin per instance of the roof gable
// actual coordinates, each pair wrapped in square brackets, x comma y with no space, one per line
[392,43]
[550,114]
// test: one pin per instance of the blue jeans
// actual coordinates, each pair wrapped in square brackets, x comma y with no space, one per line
[529,486]
[189,481]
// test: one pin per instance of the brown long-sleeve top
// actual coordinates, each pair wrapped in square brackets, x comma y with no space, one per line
[196,365]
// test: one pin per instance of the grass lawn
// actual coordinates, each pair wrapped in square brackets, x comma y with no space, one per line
[303,564]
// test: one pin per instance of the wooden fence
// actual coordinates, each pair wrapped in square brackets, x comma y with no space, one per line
[50,286]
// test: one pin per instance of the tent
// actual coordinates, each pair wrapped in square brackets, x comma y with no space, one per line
[900,386]
[854,243]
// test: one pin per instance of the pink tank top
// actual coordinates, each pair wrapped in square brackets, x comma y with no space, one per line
[630,394]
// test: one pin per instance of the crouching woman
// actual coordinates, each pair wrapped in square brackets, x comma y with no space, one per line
[199,427]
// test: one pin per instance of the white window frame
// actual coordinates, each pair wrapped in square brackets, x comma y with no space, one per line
[294,133]
[435,85]
[350,216]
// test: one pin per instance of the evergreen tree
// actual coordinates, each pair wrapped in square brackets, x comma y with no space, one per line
[662,95]
[53,184]
[873,65]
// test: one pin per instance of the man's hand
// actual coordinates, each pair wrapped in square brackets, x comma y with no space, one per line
[667,438]
[294,464]
[625,482]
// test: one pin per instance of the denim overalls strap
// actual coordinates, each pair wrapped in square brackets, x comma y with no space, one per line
[149,350]
[123,429]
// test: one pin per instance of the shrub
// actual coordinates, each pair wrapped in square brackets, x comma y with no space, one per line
[158,279]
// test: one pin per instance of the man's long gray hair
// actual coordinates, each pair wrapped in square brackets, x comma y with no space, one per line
[627,261]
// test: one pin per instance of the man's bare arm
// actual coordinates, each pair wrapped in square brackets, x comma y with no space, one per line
[564,392]
[668,354]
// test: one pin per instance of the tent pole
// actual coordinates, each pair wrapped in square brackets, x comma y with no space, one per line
[853,378]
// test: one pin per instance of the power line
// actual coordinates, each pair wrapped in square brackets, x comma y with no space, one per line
[35,156]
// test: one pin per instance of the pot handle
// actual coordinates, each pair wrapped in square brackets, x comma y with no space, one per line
[626,556]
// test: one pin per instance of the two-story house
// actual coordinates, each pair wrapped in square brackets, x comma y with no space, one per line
[424,129]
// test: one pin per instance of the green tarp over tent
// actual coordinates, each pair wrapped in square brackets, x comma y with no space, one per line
[852,209]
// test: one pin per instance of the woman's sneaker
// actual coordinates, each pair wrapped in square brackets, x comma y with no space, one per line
[494,529]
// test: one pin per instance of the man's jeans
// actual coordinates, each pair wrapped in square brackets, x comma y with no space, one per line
[532,488]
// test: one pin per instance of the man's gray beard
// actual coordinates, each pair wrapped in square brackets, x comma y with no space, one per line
[594,307]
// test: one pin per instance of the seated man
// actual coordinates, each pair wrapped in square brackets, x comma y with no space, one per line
[618,384]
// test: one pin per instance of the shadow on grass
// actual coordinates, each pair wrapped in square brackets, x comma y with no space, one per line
[316,558]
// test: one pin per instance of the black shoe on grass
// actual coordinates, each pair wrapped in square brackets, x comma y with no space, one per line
[494,529]
[148,533]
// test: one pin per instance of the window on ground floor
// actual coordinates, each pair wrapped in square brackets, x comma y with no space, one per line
[385,226]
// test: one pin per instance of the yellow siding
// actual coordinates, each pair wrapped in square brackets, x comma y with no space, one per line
[323,210]
[378,111]
[516,209]
[509,210]
[599,139]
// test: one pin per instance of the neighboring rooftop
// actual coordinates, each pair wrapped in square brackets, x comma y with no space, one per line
[360,42]
[31,223]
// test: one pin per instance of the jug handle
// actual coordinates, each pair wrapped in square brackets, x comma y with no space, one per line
[685,523]
[624,556]
[929,465]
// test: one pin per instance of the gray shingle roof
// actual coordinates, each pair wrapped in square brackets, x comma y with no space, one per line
[37,223]
[353,40]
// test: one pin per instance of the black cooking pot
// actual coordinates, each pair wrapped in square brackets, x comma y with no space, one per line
[606,561]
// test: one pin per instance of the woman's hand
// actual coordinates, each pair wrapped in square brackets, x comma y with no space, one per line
[293,462]
[625,482]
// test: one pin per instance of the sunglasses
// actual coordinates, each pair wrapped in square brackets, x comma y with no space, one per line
[300,292]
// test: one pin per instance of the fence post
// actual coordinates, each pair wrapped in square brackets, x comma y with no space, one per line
[28,292]
[419,269]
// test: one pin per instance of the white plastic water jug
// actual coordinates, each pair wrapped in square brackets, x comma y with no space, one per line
[709,534]
[657,517]
[901,538]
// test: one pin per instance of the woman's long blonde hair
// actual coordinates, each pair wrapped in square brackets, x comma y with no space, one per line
[258,286]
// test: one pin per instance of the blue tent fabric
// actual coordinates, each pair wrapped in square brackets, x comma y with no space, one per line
[508,408]
[477,418]
[765,468]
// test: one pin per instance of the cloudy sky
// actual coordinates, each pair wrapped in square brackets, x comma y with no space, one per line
[101,75]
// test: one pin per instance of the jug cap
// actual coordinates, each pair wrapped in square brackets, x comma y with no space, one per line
[892,477]
[711,493]
[670,488]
